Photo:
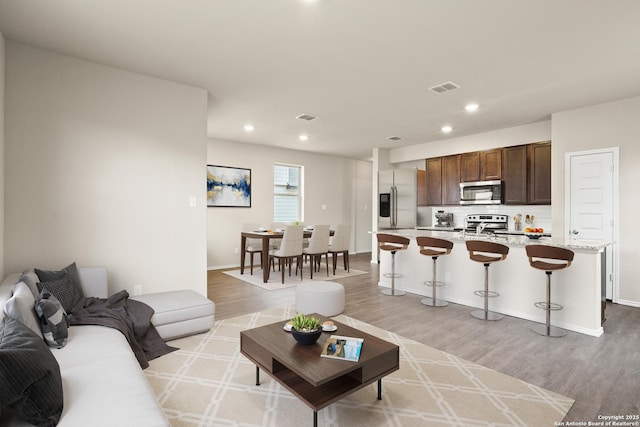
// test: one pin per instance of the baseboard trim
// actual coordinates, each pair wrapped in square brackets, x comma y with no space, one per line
[628,302]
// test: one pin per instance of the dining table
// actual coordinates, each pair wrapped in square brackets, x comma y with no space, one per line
[265,236]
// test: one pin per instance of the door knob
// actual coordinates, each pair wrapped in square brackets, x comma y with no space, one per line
[574,231]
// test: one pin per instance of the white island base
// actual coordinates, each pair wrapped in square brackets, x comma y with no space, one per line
[578,288]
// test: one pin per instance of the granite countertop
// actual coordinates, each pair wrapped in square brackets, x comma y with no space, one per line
[458,229]
[515,240]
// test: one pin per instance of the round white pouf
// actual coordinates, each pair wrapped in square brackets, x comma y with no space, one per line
[324,298]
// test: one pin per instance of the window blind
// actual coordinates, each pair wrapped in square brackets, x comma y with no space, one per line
[286,193]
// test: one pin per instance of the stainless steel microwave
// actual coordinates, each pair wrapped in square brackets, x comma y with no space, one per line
[481,193]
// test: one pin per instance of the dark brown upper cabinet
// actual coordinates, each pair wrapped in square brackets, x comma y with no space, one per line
[540,173]
[514,172]
[481,165]
[434,181]
[526,171]
[491,165]
[451,180]
[470,166]
[422,188]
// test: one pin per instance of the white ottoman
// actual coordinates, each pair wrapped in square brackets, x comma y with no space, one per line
[179,313]
[325,298]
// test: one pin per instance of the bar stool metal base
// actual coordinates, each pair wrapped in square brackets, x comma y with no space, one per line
[429,283]
[546,329]
[434,303]
[434,284]
[393,292]
[486,315]
[549,331]
[486,294]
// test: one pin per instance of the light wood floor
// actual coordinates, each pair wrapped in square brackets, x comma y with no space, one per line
[601,374]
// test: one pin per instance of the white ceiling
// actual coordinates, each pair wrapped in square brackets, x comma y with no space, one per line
[362,66]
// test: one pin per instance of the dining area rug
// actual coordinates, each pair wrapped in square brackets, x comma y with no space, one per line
[208,382]
[275,278]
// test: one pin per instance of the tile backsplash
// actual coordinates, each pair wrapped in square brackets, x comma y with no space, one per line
[542,214]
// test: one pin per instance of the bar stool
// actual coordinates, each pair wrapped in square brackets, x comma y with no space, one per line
[498,253]
[542,253]
[392,243]
[433,247]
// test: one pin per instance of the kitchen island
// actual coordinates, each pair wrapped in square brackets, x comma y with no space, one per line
[579,288]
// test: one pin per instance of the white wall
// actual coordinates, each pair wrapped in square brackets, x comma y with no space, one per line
[613,124]
[363,207]
[336,182]
[2,65]
[518,135]
[100,166]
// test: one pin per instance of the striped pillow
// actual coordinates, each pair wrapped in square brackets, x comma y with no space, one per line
[29,374]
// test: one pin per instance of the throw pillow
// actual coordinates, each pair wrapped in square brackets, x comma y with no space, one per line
[75,292]
[30,278]
[63,290]
[53,319]
[21,307]
[29,374]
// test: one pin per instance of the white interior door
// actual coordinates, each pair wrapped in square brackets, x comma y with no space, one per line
[592,200]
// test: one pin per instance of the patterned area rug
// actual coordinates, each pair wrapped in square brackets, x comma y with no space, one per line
[209,383]
[275,278]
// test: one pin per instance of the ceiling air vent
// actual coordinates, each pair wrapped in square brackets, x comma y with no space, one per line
[394,138]
[307,117]
[444,87]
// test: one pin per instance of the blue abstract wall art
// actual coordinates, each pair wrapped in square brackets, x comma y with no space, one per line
[228,187]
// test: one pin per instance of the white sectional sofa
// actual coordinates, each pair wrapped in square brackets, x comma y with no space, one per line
[102,382]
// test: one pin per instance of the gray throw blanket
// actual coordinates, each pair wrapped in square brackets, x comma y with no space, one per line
[132,318]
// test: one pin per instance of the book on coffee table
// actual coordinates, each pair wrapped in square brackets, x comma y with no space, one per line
[344,348]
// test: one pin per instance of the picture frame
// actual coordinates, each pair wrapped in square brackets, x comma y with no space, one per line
[228,187]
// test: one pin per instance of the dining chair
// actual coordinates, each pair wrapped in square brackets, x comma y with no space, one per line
[340,245]
[318,246]
[253,245]
[275,243]
[290,248]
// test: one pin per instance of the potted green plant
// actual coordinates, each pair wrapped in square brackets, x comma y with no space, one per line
[305,329]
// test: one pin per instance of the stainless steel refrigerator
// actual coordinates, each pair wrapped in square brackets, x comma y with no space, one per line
[397,199]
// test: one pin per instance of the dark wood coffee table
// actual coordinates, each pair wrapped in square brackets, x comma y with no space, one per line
[318,381]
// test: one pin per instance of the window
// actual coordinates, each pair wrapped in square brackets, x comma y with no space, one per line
[287,193]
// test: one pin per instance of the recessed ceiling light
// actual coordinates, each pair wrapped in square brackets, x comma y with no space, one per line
[446,129]
[394,138]
[249,127]
[471,107]
[303,137]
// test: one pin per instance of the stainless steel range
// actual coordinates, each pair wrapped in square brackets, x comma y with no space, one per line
[486,222]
